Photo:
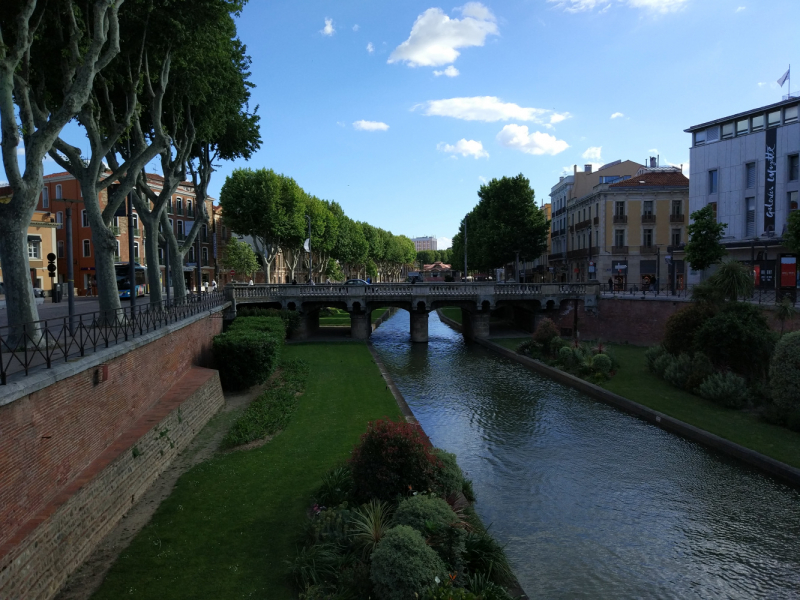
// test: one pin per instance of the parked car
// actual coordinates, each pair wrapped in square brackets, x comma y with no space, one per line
[356,282]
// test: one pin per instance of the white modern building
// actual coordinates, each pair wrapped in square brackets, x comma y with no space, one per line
[747,167]
[425,243]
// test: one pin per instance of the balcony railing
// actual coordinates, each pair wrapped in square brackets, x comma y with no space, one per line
[584,224]
[114,229]
[190,212]
[137,232]
[677,218]
[620,218]
[572,228]
[648,218]
[597,220]
[647,249]
[139,260]
[117,258]
[180,236]
[582,253]
[204,262]
[619,249]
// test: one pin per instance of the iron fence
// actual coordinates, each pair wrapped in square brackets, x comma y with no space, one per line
[758,296]
[41,344]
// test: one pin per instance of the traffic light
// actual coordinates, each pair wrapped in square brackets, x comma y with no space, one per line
[51,264]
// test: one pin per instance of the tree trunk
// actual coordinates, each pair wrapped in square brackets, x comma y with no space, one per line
[20,303]
[151,252]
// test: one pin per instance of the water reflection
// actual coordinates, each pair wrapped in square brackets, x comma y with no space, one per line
[594,503]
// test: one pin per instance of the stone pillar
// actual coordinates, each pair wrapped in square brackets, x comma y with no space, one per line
[475,325]
[360,326]
[419,326]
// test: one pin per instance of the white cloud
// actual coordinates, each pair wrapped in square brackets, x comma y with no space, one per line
[328,29]
[761,84]
[482,179]
[370,48]
[443,243]
[21,151]
[685,166]
[593,153]
[617,115]
[489,109]
[340,123]
[517,137]
[435,36]
[356,27]
[370,126]
[450,71]
[740,9]
[653,151]
[464,147]
[661,6]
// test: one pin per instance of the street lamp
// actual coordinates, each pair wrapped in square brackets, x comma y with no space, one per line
[308,248]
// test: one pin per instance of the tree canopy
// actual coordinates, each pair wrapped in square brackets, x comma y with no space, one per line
[704,248]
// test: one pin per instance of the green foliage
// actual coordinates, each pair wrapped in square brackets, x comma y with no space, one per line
[482,585]
[707,294]
[423,512]
[662,363]
[245,357]
[566,356]
[785,311]
[652,354]
[466,489]
[791,237]
[733,279]
[271,411]
[290,318]
[679,371]
[449,477]
[335,487]
[270,325]
[784,373]
[369,524]
[602,363]
[556,344]
[546,330]
[240,257]
[482,554]
[330,525]
[404,565]
[682,327]
[705,234]
[702,368]
[738,337]
[528,348]
[313,565]
[446,591]
[727,389]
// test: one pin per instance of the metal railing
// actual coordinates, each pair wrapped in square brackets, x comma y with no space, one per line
[677,218]
[44,343]
[620,218]
[649,219]
[759,296]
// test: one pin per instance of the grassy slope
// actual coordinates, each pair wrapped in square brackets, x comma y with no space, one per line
[452,313]
[229,524]
[343,319]
[635,382]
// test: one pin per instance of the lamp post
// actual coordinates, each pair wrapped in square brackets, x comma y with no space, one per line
[70,266]
[308,249]
[131,264]
[465,249]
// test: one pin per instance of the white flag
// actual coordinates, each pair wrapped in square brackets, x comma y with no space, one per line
[307,245]
[783,79]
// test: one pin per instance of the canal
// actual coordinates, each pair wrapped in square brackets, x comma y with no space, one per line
[591,502]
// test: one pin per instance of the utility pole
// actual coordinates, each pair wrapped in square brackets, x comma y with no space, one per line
[70,270]
[166,268]
[131,264]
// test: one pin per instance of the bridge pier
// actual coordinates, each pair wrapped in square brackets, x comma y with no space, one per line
[475,325]
[419,326]
[360,326]
[308,326]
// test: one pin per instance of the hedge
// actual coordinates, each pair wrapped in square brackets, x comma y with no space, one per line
[272,325]
[246,357]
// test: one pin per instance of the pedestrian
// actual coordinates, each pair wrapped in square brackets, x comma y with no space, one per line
[610,284]
[214,285]
[310,281]
[251,282]
[369,280]
[328,280]
[294,281]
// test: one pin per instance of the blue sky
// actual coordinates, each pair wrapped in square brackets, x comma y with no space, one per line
[399,110]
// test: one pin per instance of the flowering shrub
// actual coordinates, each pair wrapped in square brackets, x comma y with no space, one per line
[545,332]
[392,459]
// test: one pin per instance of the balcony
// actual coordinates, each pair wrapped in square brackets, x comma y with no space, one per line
[114,229]
[584,224]
[596,220]
[619,249]
[677,219]
[647,249]
[620,218]
[139,260]
[558,256]
[572,228]
[651,218]
[190,212]
[117,258]
[205,262]
[581,253]
[180,236]
[137,232]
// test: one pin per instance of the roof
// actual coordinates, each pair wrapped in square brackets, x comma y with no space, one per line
[437,265]
[753,111]
[654,179]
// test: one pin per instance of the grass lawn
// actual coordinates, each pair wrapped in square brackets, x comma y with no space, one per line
[230,522]
[342,319]
[635,382]
[452,313]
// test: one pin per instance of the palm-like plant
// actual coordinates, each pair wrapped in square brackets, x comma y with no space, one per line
[786,311]
[369,524]
[733,279]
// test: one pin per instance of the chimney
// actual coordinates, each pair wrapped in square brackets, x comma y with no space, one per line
[653,162]
[561,178]
[587,168]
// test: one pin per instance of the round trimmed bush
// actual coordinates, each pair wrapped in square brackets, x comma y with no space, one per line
[662,363]
[404,565]
[546,330]
[437,522]
[556,344]
[727,389]
[679,371]
[602,364]
[784,373]
[449,477]
[273,325]
[566,356]
[245,357]
[652,354]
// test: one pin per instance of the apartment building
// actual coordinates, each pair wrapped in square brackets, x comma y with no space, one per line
[425,243]
[746,166]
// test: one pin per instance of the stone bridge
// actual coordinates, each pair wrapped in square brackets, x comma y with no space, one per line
[476,301]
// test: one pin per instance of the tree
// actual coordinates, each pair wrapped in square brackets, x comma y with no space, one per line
[266,206]
[704,248]
[426,257]
[88,34]
[791,239]
[733,279]
[785,312]
[240,257]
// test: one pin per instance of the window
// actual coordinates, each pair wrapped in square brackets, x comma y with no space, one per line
[135,249]
[161,256]
[179,206]
[87,248]
[647,238]
[742,126]
[790,114]
[223,232]
[619,237]
[676,237]
[34,249]
[205,256]
[169,205]
[750,217]
[117,252]
[189,207]
[205,232]
[135,221]
[647,209]
[84,219]
[793,196]
[59,217]
[619,209]
[60,248]
[727,131]
[699,137]
[58,192]
[774,118]
[180,229]
[45,198]
[190,255]
[171,226]
[712,134]
[713,206]
[750,175]
[712,182]
[794,167]
[677,207]
[757,123]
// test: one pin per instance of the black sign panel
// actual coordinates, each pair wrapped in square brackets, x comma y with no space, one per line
[771,167]
[764,274]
